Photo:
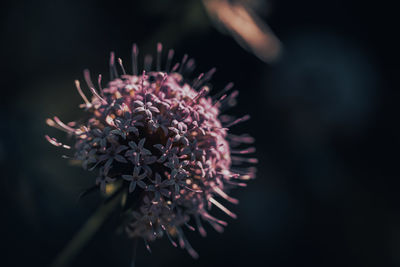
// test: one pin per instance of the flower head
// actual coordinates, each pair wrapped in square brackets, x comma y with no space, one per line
[167,145]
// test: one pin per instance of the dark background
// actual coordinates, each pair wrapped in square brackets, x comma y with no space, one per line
[325,117]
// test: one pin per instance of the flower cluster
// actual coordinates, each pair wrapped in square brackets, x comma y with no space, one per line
[165,142]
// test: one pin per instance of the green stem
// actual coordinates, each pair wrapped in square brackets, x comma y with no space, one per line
[86,232]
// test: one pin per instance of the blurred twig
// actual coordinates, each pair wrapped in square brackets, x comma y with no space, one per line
[245,26]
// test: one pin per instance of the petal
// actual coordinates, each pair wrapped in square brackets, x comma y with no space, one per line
[133,130]
[176,131]
[103,142]
[149,172]
[174,172]
[108,163]
[110,180]
[137,117]
[121,148]
[132,186]
[159,147]
[184,163]
[165,192]
[138,103]
[185,141]
[136,171]
[150,160]
[169,143]
[186,150]
[103,158]
[148,113]
[136,159]
[132,145]
[146,152]
[141,184]
[168,182]
[120,158]
[103,186]
[162,159]
[158,178]
[127,177]
[154,109]
[141,142]
[157,196]
[128,153]
[116,131]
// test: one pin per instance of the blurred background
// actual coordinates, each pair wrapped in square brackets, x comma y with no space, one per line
[319,78]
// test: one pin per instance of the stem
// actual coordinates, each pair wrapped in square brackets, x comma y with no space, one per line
[135,244]
[86,232]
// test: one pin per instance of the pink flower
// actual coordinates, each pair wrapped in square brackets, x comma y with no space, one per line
[158,131]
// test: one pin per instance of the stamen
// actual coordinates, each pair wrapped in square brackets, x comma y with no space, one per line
[204,91]
[248,160]
[225,196]
[223,208]
[220,100]
[142,85]
[227,87]
[175,67]
[78,87]
[61,124]
[244,151]
[88,80]
[190,249]
[242,119]
[51,123]
[99,83]
[180,238]
[190,66]
[208,216]
[216,226]
[169,59]
[122,66]
[97,95]
[159,50]
[185,57]
[147,245]
[245,177]
[245,138]
[135,53]
[169,236]
[235,183]
[203,78]
[53,141]
[244,171]
[148,60]
[197,81]
[200,227]
[193,190]
[191,228]
[113,69]
[209,74]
